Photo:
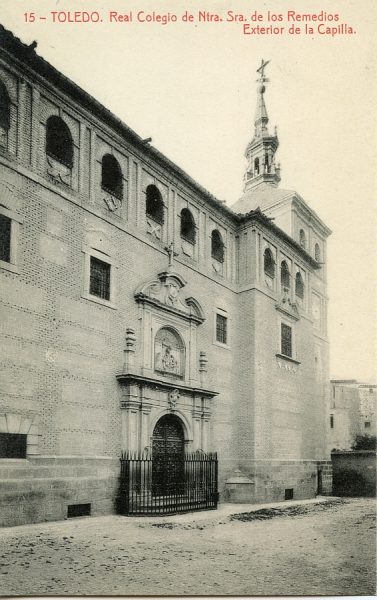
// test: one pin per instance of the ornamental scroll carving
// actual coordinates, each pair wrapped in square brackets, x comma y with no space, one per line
[166,292]
[59,172]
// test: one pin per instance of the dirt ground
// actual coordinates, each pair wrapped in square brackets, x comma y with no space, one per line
[314,549]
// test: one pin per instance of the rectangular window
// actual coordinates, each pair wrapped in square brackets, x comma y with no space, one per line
[221,329]
[5,238]
[331,421]
[286,340]
[99,278]
[78,510]
[367,424]
[12,445]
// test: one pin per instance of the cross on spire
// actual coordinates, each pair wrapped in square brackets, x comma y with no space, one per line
[261,69]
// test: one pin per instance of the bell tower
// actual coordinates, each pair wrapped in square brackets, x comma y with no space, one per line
[260,152]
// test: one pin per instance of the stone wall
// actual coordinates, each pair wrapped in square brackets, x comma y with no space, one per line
[42,489]
[278,480]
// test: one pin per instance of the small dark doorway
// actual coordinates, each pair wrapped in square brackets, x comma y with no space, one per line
[319,481]
[168,469]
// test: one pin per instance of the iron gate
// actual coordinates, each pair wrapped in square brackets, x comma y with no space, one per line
[145,490]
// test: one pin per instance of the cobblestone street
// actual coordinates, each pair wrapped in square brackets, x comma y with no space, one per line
[307,548]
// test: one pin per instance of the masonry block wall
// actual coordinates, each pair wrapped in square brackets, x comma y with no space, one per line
[64,350]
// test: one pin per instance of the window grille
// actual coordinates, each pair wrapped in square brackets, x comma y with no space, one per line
[99,278]
[188,232]
[154,204]
[13,445]
[269,263]
[217,246]
[59,144]
[221,329]
[5,238]
[4,108]
[285,275]
[286,340]
[111,176]
[299,286]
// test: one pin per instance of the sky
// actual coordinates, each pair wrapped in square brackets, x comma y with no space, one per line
[191,86]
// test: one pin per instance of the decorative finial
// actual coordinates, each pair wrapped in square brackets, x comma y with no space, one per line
[171,254]
[261,69]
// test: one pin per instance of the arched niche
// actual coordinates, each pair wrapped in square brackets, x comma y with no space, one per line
[169,352]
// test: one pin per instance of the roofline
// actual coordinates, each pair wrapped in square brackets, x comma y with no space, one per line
[10,44]
[28,56]
[343,381]
[312,214]
[260,217]
[291,196]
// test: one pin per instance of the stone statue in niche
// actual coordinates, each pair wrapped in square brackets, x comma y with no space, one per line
[172,293]
[168,352]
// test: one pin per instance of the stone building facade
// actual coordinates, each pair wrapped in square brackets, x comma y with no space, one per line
[352,412]
[130,296]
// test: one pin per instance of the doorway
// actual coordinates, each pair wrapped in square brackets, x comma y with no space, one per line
[168,452]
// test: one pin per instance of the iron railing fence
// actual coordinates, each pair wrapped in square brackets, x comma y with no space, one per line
[178,483]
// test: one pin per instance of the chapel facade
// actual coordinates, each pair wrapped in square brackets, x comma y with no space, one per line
[137,310]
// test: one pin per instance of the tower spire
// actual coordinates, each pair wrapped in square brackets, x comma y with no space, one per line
[260,152]
[261,117]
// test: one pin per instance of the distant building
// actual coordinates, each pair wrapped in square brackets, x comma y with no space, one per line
[141,314]
[353,408]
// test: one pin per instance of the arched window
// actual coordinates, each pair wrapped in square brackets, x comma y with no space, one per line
[285,276]
[169,352]
[154,204]
[299,286]
[217,246]
[4,107]
[269,263]
[111,176]
[256,166]
[59,144]
[302,238]
[317,253]
[188,231]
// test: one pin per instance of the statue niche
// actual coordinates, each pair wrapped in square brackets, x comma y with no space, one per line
[169,352]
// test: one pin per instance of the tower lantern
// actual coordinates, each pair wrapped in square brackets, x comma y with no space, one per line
[260,152]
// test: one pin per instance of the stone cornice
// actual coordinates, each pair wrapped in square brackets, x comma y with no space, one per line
[127,378]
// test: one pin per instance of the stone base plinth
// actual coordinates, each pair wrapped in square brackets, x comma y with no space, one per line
[258,481]
[42,489]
